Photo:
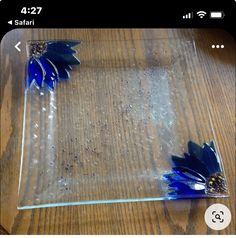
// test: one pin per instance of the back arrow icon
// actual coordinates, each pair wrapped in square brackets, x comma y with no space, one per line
[16,46]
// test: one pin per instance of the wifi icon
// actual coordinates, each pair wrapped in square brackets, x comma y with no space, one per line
[201,14]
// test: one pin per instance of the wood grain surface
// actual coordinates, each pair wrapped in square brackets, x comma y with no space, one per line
[167,217]
[3,231]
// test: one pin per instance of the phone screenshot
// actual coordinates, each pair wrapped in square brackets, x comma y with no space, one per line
[117,118]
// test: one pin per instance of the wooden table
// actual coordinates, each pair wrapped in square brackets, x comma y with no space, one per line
[167,217]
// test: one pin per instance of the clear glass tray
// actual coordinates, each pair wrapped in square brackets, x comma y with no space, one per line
[108,133]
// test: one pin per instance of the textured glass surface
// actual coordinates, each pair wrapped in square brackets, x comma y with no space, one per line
[108,133]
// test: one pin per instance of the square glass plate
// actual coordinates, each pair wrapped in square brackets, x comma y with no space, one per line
[108,133]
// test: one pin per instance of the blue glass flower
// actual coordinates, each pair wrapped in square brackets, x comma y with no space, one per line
[197,173]
[49,62]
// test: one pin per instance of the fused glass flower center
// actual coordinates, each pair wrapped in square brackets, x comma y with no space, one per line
[38,48]
[216,184]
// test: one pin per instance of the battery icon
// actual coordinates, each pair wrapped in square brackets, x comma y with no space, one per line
[217,15]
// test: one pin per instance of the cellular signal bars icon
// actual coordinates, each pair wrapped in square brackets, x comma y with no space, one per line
[188,16]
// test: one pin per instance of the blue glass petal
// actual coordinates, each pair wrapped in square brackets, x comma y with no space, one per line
[168,177]
[70,59]
[189,174]
[50,83]
[49,68]
[63,69]
[66,59]
[191,185]
[69,44]
[179,161]
[212,145]
[210,159]
[60,48]
[63,65]
[195,149]
[35,72]
[183,189]
[172,177]
[206,155]
[196,165]
[63,73]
